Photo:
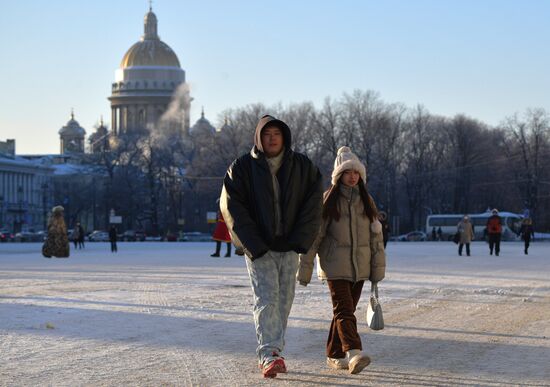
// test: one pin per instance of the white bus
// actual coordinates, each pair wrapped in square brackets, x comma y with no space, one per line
[511,224]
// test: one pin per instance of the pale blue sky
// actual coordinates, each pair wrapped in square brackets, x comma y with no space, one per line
[485,58]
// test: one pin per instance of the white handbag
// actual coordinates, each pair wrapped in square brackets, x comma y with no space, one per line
[375,319]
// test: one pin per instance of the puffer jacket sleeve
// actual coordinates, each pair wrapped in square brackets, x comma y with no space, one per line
[305,270]
[378,254]
[235,208]
[309,219]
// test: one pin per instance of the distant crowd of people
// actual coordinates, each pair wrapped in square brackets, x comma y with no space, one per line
[492,233]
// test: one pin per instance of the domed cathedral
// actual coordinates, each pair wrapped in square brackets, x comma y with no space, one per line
[148,76]
[72,137]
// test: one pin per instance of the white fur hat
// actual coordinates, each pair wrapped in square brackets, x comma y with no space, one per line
[345,159]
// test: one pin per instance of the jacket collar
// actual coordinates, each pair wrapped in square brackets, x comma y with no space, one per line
[349,192]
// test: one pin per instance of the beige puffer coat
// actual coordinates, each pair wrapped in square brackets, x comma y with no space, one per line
[351,248]
[466,231]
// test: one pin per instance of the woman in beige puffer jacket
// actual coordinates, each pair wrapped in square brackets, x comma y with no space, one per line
[466,232]
[350,250]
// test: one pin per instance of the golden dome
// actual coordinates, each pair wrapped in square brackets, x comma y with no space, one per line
[150,51]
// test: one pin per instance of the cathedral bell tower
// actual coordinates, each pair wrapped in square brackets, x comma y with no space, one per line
[72,137]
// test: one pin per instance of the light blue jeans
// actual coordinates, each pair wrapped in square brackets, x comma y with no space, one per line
[273,280]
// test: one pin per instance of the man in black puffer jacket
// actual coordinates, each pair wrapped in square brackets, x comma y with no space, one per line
[271,202]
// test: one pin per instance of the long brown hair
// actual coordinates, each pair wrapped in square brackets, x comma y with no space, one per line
[330,202]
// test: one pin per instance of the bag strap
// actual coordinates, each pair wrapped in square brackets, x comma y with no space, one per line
[374,289]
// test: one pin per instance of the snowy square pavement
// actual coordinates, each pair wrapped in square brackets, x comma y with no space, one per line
[169,314]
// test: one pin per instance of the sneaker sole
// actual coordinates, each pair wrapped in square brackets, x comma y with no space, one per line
[359,366]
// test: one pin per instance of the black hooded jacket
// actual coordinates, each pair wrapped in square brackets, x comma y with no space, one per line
[247,199]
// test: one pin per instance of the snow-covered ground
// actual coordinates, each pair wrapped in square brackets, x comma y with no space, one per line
[169,314]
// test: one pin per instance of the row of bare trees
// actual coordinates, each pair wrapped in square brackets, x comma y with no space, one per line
[418,163]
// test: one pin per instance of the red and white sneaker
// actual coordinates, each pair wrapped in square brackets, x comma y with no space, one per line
[274,367]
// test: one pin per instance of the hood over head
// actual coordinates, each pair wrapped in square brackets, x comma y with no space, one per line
[266,121]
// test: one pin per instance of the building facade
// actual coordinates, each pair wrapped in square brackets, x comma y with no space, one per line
[25,193]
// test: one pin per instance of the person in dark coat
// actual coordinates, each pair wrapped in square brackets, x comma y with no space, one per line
[383,218]
[57,241]
[113,238]
[74,237]
[526,232]
[434,234]
[439,233]
[494,230]
[221,234]
[80,236]
[271,201]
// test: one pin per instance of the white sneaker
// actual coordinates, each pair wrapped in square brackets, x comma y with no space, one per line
[337,364]
[357,360]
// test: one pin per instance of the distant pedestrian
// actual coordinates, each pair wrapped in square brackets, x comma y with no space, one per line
[494,230]
[434,234]
[81,236]
[271,201]
[74,237]
[349,251]
[113,238]
[526,232]
[57,241]
[439,234]
[221,234]
[383,218]
[466,233]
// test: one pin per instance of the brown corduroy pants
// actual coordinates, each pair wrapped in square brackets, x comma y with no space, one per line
[343,334]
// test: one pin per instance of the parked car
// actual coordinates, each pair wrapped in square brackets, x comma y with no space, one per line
[195,236]
[99,236]
[42,235]
[128,236]
[171,237]
[27,236]
[413,236]
[154,238]
[132,236]
[6,236]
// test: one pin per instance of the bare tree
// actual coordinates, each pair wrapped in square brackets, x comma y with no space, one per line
[529,140]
